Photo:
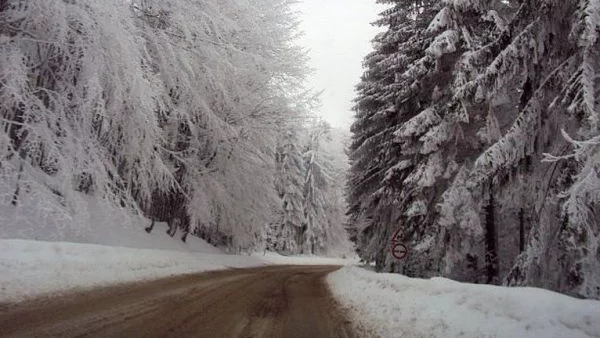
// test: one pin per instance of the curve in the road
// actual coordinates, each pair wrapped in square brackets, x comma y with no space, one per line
[276,301]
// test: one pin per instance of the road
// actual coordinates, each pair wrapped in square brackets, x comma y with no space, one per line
[275,301]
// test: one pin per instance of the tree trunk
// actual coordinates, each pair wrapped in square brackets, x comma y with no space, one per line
[491,239]
[173,223]
[15,198]
[521,230]
[149,228]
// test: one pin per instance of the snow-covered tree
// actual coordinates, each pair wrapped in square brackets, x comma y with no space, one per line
[546,53]
[371,131]
[485,95]
[288,231]
[393,90]
[317,184]
[77,103]
[310,185]
[444,137]
[167,108]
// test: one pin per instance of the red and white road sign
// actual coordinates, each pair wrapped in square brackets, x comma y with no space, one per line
[399,251]
[397,236]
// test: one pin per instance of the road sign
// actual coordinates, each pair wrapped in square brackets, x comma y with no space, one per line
[397,236]
[399,251]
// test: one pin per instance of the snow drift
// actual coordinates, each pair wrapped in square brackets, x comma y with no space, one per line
[391,305]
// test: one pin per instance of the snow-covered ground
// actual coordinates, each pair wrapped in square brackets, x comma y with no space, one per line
[92,221]
[44,251]
[34,268]
[391,305]
[274,258]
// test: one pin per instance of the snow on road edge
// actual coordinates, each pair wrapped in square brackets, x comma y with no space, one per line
[275,258]
[31,269]
[34,268]
[391,305]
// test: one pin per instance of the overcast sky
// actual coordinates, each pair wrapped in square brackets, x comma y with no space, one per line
[338,34]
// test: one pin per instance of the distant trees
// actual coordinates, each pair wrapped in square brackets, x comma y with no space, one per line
[310,186]
[289,231]
[450,137]
[318,190]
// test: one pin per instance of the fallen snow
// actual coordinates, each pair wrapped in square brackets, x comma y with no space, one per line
[391,305]
[44,251]
[94,222]
[275,258]
[33,268]
[39,253]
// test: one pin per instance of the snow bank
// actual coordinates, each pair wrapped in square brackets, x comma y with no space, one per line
[32,268]
[275,258]
[43,251]
[391,305]
[93,221]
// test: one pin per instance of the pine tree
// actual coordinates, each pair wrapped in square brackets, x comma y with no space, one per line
[563,96]
[525,64]
[533,72]
[380,163]
[442,139]
[481,89]
[289,231]
[367,151]
[317,186]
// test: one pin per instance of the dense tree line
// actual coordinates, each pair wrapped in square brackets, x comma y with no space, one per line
[476,136]
[170,109]
[310,183]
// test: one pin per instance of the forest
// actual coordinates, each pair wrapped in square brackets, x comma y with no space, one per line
[476,134]
[191,113]
[476,138]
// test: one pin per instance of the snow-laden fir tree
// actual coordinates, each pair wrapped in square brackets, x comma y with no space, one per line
[387,98]
[537,77]
[371,136]
[309,182]
[333,157]
[500,80]
[286,234]
[317,186]
[458,235]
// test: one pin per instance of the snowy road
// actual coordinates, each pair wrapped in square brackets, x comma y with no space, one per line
[276,301]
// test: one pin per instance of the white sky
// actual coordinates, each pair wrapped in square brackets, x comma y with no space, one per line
[338,35]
